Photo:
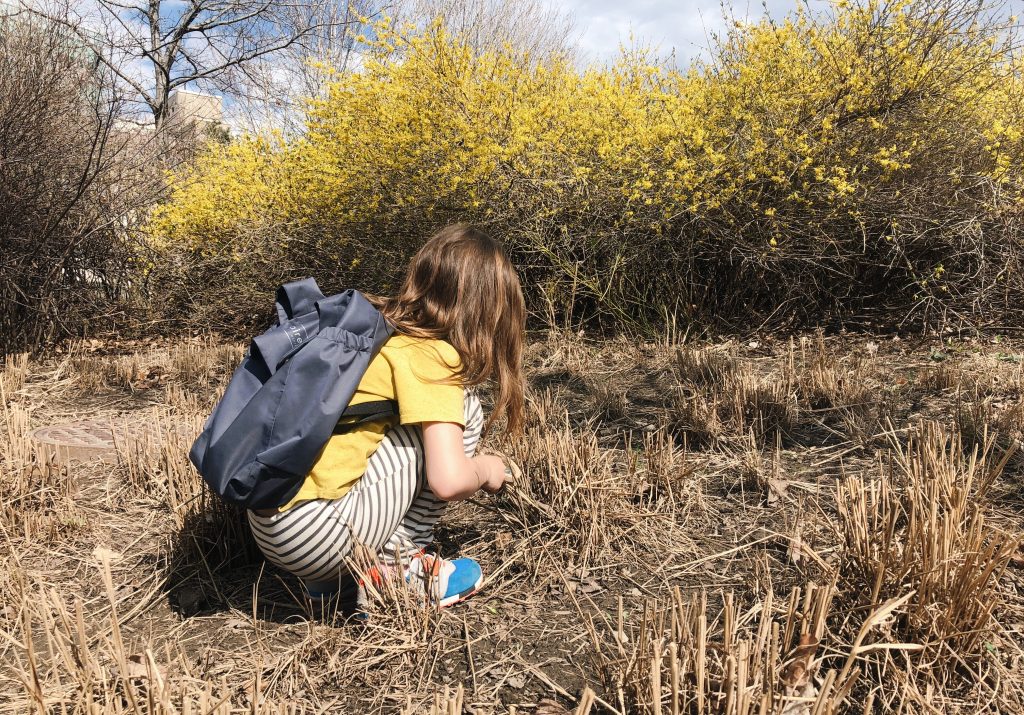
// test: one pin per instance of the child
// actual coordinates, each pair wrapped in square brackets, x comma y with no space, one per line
[459,322]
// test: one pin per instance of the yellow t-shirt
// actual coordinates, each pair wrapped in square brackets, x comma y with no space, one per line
[406,369]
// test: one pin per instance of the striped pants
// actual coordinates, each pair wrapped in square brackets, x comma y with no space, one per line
[391,509]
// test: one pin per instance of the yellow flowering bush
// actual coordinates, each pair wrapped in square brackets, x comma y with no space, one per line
[868,157]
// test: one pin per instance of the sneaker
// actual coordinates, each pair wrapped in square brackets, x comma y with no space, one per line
[444,582]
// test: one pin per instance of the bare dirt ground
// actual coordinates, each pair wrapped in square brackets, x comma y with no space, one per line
[799,525]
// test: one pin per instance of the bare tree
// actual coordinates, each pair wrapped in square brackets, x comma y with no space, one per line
[276,86]
[536,26]
[157,46]
[73,186]
[330,49]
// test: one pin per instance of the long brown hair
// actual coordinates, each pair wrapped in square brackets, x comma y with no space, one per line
[462,288]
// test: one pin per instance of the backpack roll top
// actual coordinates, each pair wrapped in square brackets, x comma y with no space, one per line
[296,298]
[281,342]
[318,385]
[283,402]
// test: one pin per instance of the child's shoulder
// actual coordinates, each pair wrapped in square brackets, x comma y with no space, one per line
[418,351]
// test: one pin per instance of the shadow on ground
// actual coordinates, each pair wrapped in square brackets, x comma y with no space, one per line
[215,566]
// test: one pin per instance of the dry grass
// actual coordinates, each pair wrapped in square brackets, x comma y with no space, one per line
[922,533]
[88,665]
[35,492]
[14,374]
[770,657]
[192,368]
[820,526]
[719,397]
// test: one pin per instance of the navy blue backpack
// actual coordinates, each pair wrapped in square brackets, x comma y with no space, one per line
[286,398]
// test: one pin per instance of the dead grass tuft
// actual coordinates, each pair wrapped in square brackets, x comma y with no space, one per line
[841,391]
[13,374]
[986,420]
[608,401]
[737,400]
[707,367]
[36,494]
[568,491]
[69,662]
[671,481]
[769,657]
[195,368]
[921,532]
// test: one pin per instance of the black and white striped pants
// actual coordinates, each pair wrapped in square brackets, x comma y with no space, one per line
[390,509]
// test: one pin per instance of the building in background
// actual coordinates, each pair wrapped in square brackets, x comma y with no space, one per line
[202,111]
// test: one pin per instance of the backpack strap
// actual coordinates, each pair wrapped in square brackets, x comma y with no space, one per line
[296,298]
[365,412]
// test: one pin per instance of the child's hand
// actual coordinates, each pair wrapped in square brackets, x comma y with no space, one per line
[492,470]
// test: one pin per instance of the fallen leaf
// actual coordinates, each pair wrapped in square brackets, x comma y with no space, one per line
[797,672]
[503,540]
[547,706]
[125,591]
[102,553]
[776,489]
[138,665]
[798,550]
[1017,559]
[517,473]
[795,549]
[803,701]
[516,681]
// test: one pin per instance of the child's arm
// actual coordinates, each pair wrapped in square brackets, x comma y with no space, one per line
[452,475]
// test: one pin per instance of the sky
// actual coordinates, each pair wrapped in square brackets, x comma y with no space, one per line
[682,25]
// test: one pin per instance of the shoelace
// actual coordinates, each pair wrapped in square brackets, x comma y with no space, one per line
[378,572]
